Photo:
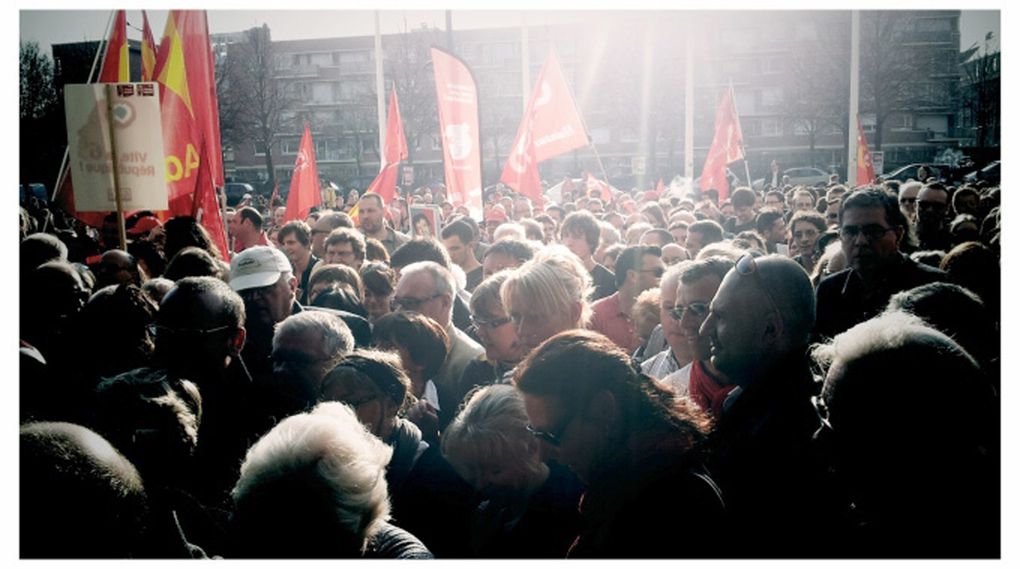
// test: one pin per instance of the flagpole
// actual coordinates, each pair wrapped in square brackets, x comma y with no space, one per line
[689,105]
[379,96]
[525,62]
[855,61]
[743,147]
[92,71]
[116,184]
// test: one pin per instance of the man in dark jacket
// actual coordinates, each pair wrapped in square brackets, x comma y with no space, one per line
[761,452]
[871,227]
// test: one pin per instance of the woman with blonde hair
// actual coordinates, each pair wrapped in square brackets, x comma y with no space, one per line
[547,295]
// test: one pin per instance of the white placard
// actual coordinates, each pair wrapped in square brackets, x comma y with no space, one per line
[130,112]
[878,161]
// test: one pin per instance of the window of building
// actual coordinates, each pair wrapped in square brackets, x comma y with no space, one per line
[751,127]
[868,122]
[900,121]
[290,146]
[771,127]
[771,96]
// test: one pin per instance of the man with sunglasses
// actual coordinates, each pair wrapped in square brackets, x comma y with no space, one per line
[638,268]
[761,452]
[871,229]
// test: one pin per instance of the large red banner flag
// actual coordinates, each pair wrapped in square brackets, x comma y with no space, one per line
[148,49]
[521,170]
[385,183]
[114,69]
[727,147]
[457,102]
[305,191]
[865,167]
[557,127]
[190,117]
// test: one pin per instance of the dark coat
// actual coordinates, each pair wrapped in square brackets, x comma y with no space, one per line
[844,299]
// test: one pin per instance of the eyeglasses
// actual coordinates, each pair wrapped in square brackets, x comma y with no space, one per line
[490,324]
[553,439]
[908,200]
[871,232]
[657,272]
[747,266]
[412,304]
[321,231]
[696,309]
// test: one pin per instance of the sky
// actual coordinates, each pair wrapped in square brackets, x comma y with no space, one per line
[59,26]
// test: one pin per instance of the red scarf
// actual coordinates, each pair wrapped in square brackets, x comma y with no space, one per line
[706,391]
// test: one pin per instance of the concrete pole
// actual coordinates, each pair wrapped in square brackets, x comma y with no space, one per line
[855,72]
[380,97]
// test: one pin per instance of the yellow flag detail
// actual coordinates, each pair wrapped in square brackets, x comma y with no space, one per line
[174,74]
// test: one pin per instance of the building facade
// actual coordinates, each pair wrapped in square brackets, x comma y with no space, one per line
[788,70]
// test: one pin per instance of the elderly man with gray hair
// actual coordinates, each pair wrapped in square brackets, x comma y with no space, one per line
[428,288]
[305,346]
[913,440]
[315,487]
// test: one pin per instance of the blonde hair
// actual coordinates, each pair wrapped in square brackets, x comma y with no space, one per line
[551,284]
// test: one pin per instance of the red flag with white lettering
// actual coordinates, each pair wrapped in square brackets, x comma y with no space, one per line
[556,125]
[521,170]
[727,147]
[305,191]
[865,167]
[385,183]
[457,103]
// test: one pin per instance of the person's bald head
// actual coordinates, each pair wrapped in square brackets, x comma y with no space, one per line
[763,312]
[75,485]
[326,223]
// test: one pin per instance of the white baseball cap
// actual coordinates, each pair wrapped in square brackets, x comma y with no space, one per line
[257,267]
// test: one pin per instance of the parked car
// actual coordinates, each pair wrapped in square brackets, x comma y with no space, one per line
[799,176]
[989,173]
[909,172]
[236,190]
[37,190]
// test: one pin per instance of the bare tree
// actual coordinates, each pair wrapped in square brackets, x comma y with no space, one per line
[409,67]
[253,102]
[981,97]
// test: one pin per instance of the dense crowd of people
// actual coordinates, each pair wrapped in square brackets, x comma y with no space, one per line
[792,372]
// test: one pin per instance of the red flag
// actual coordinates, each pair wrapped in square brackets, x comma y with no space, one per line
[114,69]
[457,102]
[556,125]
[190,117]
[396,150]
[148,49]
[727,146]
[865,168]
[521,170]
[304,185]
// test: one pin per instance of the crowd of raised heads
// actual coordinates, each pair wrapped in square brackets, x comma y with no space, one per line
[796,372]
